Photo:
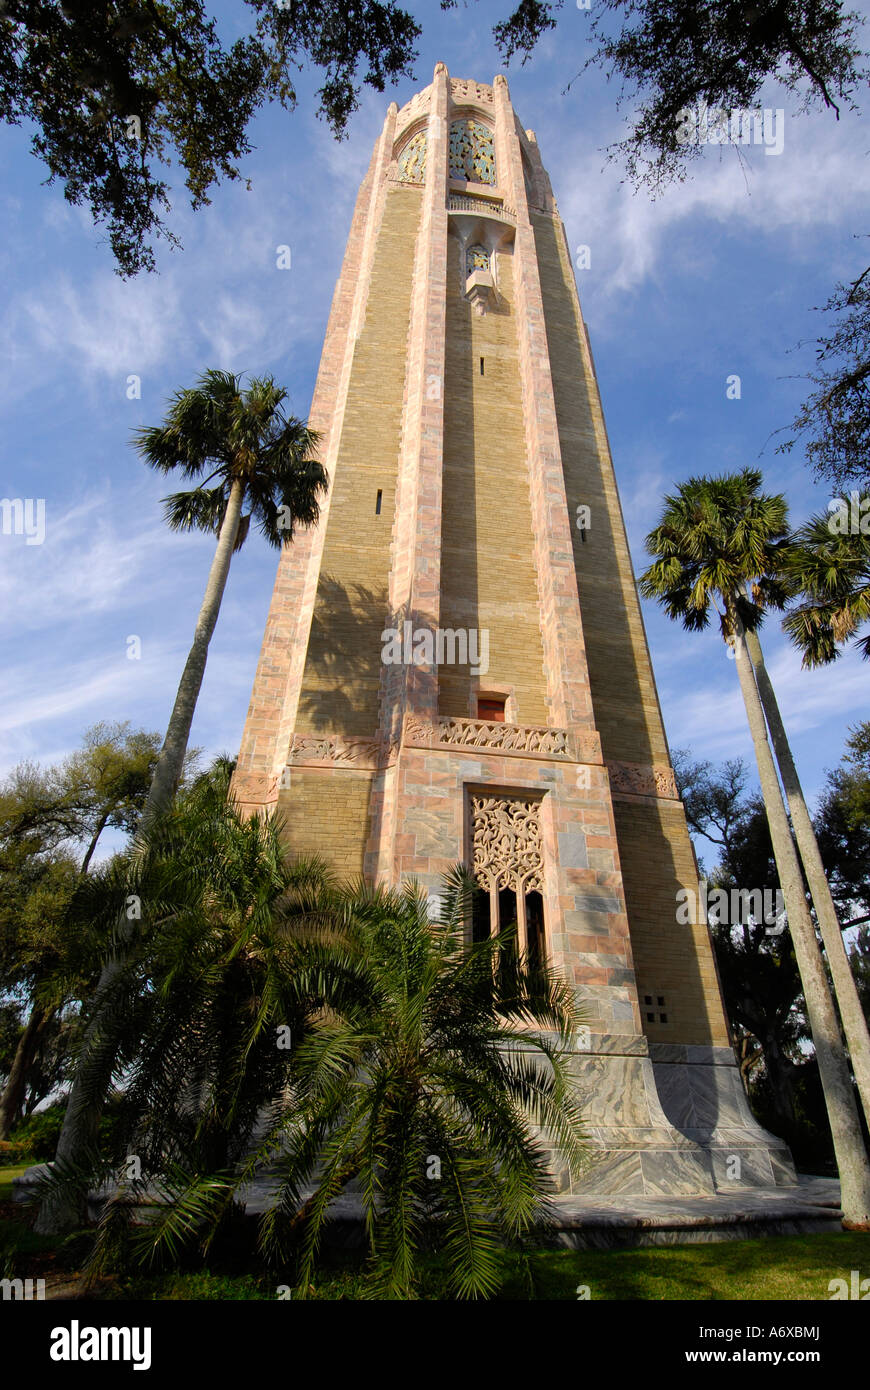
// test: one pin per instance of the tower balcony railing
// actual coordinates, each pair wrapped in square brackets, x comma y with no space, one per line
[482,207]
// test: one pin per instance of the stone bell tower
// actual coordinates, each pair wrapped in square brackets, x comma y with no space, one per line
[454,665]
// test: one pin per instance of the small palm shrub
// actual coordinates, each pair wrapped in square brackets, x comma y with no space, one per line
[269,1021]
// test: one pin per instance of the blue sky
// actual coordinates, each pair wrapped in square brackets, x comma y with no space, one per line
[717,276]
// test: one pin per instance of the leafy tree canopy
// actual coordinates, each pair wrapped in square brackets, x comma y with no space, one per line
[70,804]
[828,571]
[843,827]
[51,820]
[675,54]
[118,89]
[835,417]
[720,543]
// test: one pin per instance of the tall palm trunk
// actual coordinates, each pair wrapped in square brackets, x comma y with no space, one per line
[16,1083]
[170,763]
[845,989]
[79,1131]
[851,1155]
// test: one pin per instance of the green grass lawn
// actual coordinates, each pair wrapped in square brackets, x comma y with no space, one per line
[789,1267]
[779,1267]
[6,1177]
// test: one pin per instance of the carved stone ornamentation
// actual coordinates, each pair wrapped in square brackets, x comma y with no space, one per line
[506,843]
[666,782]
[505,738]
[642,779]
[363,752]
[469,91]
[419,730]
[520,740]
[253,788]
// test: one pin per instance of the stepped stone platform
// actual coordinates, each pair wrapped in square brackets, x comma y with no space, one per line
[587,1223]
[627,1221]
[597,1222]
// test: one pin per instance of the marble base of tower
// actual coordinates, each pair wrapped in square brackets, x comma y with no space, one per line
[680,1125]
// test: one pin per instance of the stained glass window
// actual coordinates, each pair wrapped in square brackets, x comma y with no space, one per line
[471,151]
[412,160]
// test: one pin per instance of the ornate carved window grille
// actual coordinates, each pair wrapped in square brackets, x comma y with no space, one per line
[412,160]
[471,151]
[507,861]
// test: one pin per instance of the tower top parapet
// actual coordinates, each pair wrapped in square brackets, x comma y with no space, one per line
[463,91]
[480,122]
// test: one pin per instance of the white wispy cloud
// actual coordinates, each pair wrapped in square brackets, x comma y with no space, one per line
[93,562]
[816,181]
[106,326]
[703,707]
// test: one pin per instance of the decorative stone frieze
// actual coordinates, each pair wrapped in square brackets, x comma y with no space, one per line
[331,749]
[479,733]
[641,779]
[254,788]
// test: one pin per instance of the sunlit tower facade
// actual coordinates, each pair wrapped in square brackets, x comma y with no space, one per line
[455,665]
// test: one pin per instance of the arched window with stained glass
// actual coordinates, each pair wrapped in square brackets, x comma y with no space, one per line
[471,151]
[412,160]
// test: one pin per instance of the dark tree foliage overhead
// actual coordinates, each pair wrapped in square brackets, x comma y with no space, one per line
[835,418]
[843,827]
[117,89]
[672,54]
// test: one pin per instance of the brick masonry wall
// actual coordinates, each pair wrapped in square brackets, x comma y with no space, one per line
[654,847]
[488,576]
[522,446]
[671,960]
[326,812]
[343,668]
[623,689]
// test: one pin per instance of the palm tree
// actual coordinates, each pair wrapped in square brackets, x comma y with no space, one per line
[831,565]
[240,441]
[188,1019]
[415,1071]
[846,990]
[829,568]
[716,537]
[435,1060]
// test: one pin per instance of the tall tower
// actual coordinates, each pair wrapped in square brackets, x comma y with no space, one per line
[455,666]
